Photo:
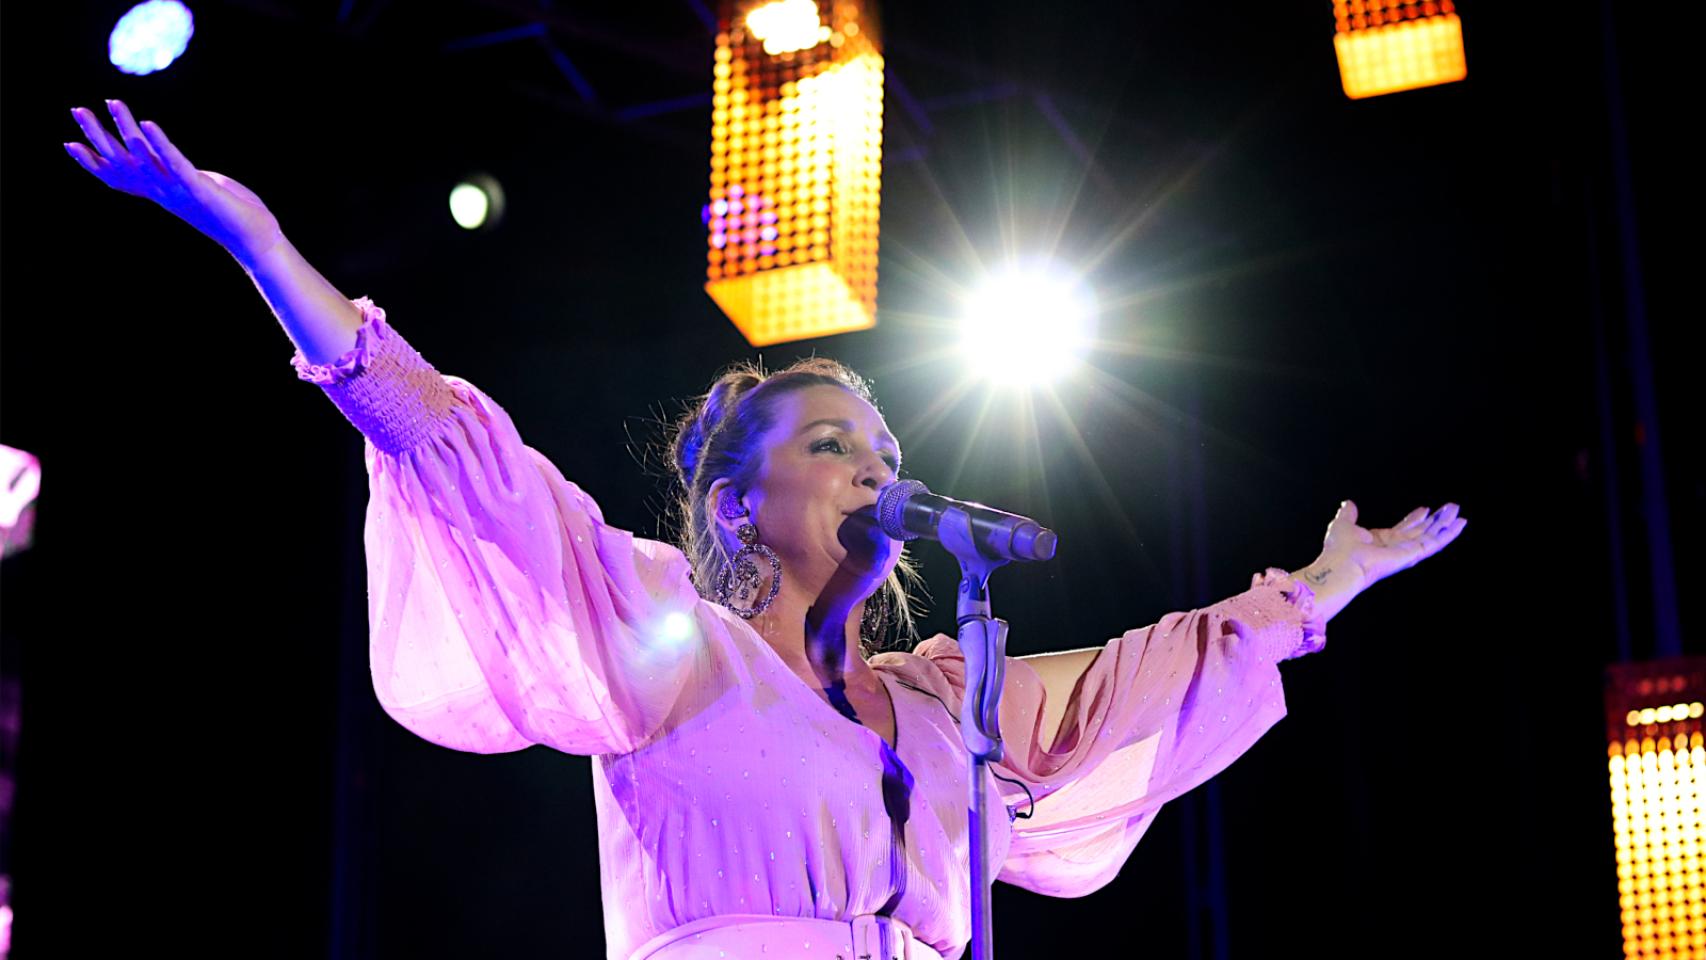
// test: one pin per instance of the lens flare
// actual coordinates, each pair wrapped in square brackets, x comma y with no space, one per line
[1028,326]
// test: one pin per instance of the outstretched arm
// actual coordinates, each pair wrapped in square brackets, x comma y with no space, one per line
[503,611]
[1351,559]
[1158,711]
[1354,558]
[140,161]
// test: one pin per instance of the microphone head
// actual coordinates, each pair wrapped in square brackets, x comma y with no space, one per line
[1032,541]
[1042,548]
[891,507]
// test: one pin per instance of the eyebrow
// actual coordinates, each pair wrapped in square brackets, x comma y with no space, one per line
[847,425]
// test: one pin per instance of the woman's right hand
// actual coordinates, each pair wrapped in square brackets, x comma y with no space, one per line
[145,164]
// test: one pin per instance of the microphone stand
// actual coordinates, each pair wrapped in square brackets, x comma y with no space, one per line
[983,641]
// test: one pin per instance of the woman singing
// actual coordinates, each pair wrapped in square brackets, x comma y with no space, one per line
[765,783]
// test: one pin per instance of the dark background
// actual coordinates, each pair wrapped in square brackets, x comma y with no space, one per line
[1309,298]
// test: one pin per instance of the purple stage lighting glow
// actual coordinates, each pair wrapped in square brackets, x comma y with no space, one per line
[150,36]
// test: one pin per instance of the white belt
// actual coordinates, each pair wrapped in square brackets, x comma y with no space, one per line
[757,936]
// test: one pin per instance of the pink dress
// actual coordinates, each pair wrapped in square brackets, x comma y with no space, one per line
[504,612]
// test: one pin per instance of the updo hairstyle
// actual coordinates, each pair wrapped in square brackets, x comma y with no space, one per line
[722,435]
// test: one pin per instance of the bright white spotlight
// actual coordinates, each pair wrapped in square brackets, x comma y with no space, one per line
[477,202]
[150,36]
[1029,325]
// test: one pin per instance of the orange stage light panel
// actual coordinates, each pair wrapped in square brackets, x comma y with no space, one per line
[1385,46]
[1656,763]
[796,168]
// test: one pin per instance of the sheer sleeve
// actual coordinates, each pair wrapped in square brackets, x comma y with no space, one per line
[1159,711]
[502,610]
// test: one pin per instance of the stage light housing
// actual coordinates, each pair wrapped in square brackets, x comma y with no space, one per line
[1385,46]
[796,168]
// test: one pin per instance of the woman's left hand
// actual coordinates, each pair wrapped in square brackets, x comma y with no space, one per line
[1382,551]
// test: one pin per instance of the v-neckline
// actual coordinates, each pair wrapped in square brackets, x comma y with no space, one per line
[808,693]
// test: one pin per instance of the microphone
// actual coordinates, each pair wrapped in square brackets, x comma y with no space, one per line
[907,510]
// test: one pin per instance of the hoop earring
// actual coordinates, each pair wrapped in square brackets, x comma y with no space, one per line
[739,579]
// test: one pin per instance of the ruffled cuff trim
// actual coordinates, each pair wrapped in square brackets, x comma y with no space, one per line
[1301,596]
[382,385]
[374,330]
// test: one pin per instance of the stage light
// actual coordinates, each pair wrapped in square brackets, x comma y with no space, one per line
[796,164]
[468,205]
[787,25]
[150,36]
[1028,326]
[1385,46]
[1657,769]
[477,202]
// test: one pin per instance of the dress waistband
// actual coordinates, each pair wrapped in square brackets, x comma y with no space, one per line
[744,936]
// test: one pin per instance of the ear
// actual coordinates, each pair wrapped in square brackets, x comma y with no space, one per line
[721,493]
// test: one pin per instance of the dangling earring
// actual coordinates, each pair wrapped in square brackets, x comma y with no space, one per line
[739,578]
[876,617]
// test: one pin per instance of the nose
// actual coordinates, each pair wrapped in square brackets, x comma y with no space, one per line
[875,474]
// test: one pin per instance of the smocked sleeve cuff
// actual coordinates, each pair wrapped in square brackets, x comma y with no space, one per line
[1302,599]
[382,385]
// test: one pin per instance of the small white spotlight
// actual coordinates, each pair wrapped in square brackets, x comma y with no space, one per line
[477,202]
[1028,325]
[150,36]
